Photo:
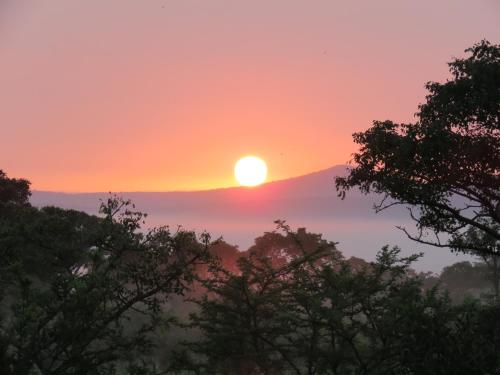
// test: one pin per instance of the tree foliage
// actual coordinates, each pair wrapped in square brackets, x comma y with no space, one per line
[13,191]
[84,294]
[306,317]
[446,166]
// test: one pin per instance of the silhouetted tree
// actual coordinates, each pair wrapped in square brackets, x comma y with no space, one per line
[225,254]
[310,317]
[243,316]
[474,238]
[446,166]
[82,294]
[13,191]
[464,280]
[281,247]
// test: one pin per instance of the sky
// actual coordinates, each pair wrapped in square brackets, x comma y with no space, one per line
[156,95]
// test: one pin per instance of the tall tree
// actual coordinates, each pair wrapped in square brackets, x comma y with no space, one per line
[445,167]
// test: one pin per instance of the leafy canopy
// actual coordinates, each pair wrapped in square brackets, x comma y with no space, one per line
[83,294]
[446,166]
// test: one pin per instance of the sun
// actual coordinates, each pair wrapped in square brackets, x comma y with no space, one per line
[250,171]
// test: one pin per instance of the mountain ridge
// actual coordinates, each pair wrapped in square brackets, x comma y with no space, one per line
[313,193]
[338,169]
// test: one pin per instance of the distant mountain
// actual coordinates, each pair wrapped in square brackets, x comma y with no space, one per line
[312,194]
[240,214]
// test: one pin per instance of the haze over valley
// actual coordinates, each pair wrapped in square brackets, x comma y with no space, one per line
[241,214]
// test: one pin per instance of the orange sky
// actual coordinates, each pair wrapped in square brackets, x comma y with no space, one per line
[129,95]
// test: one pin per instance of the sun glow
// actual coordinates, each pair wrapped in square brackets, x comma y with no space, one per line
[250,171]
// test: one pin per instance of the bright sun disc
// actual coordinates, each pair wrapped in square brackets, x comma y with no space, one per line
[250,171]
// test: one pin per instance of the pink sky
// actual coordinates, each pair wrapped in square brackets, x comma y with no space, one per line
[123,95]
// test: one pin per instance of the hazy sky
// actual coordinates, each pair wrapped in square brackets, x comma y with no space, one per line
[99,95]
